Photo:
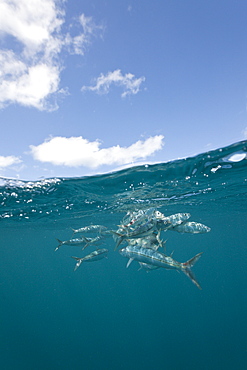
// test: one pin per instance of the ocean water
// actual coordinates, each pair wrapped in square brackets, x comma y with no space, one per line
[104,316]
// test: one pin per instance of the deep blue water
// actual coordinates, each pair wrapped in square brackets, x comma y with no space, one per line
[104,316]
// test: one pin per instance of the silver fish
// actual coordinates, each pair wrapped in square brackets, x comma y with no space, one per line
[152,241]
[151,257]
[75,242]
[96,255]
[132,217]
[90,228]
[140,217]
[139,232]
[191,227]
[174,220]
[95,241]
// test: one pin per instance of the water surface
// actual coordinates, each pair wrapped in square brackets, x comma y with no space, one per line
[104,316]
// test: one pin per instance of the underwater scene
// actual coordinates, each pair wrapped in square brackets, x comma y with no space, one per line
[143,268]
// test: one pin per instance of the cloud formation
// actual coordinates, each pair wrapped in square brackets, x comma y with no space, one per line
[8,161]
[128,82]
[77,151]
[77,44]
[32,39]
[33,36]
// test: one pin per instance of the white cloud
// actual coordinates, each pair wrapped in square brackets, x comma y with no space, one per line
[30,70]
[8,161]
[78,43]
[28,85]
[31,22]
[77,151]
[130,84]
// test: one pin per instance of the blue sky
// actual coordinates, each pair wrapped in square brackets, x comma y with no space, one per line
[92,86]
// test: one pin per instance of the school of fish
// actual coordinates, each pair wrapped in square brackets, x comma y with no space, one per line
[141,231]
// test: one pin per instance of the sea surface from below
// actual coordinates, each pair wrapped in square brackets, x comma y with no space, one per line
[104,316]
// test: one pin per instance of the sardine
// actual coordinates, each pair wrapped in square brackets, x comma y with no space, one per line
[75,242]
[191,227]
[139,217]
[152,241]
[174,220]
[96,255]
[139,232]
[90,228]
[151,257]
[95,241]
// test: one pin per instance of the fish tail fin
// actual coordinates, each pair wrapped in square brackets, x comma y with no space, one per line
[79,261]
[59,244]
[120,238]
[186,268]
[73,230]
[119,241]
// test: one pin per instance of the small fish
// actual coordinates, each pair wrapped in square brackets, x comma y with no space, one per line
[151,257]
[95,241]
[75,242]
[140,217]
[191,227]
[173,220]
[152,241]
[131,217]
[90,228]
[96,255]
[139,232]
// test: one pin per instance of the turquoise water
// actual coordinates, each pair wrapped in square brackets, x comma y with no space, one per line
[104,316]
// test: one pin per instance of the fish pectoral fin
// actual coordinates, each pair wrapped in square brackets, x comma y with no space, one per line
[129,262]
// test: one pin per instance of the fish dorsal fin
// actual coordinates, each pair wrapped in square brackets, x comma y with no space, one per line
[129,262]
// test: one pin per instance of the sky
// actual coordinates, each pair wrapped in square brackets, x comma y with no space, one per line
[89,87]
